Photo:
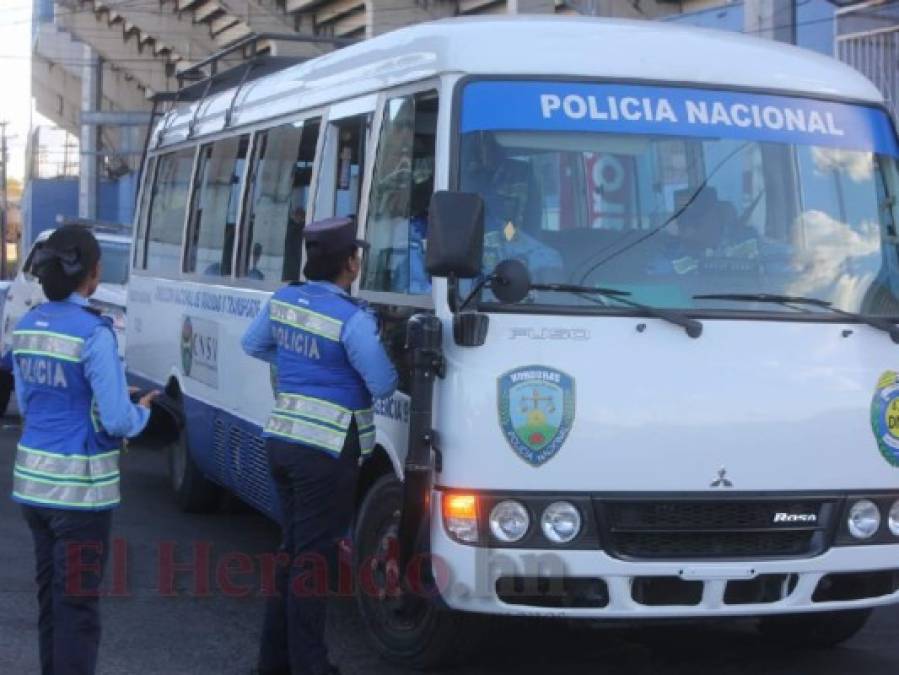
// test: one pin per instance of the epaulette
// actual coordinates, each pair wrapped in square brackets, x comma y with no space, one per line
[359,302]
[297,283]
[93,310]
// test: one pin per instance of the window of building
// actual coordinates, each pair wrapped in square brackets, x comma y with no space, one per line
[402,184]
[168,202]
[278,199]
[216,201]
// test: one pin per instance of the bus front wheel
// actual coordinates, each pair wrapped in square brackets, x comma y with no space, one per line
[815,629]
[406,628]
[194,493]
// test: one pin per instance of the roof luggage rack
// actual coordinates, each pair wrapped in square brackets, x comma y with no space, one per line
[206,77]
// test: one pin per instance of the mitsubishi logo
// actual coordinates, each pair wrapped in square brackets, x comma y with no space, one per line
[721,480]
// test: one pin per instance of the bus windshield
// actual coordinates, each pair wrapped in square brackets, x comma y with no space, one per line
[668,194]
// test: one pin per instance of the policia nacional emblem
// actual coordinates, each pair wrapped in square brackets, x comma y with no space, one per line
[536,411]
[885,416]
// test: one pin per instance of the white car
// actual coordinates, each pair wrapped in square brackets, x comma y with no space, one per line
[25,292]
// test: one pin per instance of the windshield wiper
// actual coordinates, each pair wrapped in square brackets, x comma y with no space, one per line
[881,324]
[692,327]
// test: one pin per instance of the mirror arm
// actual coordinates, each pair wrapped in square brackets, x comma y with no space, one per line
[477,289]
[452,293]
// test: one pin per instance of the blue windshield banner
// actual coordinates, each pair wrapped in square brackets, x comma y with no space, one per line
[674,111]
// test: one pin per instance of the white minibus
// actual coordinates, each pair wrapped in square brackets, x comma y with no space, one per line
[655,278]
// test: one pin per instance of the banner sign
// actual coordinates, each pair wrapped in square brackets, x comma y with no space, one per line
[674,111]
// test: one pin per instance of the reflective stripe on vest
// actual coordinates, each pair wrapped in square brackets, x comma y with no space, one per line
[367,442]
[304,319]
[78,467]
[306,432]
[365,419]
[44,343]
[68,494]
[314,408]
[72,481]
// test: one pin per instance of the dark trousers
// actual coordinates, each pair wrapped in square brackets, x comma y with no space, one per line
[316,492]
[71,548]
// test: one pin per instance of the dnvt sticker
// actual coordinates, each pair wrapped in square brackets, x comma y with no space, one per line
[536,411]
[885,416]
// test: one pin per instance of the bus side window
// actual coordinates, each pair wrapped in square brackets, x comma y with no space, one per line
[165,220]
[213,221]
[343,160]
[142,213]
[402,184]
[278,197]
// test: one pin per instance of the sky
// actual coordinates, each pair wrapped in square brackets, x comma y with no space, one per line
[15,74]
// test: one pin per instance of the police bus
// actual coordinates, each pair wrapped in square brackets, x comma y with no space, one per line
[655,282]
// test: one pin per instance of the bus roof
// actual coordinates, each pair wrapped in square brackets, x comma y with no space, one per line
[529,45]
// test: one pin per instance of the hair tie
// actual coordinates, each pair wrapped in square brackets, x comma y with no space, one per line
[69,260]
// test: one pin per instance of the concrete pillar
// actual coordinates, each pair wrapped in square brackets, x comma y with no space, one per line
[383,16]
[772,19]
[88,170]
[530,7]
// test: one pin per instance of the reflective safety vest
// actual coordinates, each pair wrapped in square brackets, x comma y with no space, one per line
[319,392]
[65,459]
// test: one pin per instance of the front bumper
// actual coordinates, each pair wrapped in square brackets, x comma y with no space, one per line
[478,579]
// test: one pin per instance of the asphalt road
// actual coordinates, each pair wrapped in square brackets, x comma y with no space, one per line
[150,631]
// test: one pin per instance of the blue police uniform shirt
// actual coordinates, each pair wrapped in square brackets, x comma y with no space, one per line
[359,339]
[106,374]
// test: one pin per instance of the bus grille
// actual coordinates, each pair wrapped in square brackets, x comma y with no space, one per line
[714,528]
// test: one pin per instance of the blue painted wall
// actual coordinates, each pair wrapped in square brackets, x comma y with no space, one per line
[46,198]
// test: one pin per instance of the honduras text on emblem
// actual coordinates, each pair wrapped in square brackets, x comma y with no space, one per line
[536,411]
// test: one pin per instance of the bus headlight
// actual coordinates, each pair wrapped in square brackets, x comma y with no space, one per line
[561,522]
[509,521]
[864,519]
[894,518]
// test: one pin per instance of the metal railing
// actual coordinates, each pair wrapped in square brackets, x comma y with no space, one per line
[867,38]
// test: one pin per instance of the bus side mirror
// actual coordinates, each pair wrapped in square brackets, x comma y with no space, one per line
[455,235]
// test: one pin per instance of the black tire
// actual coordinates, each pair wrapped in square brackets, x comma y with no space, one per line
[817,630]
[407,629]
[194,493]
[6,387]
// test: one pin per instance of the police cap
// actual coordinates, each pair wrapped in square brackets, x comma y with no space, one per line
[332,236]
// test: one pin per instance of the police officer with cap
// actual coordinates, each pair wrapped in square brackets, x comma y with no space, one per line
[71,390]
[330,366]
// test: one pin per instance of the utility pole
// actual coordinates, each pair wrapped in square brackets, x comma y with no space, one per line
[4,157]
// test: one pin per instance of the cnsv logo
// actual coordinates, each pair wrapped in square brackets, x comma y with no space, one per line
[197,347]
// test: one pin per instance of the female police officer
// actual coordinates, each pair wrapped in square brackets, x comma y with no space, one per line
[71,390]
[330,364]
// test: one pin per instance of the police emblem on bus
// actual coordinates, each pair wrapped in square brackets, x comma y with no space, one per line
[885,416]
[536,411]
[187,345]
